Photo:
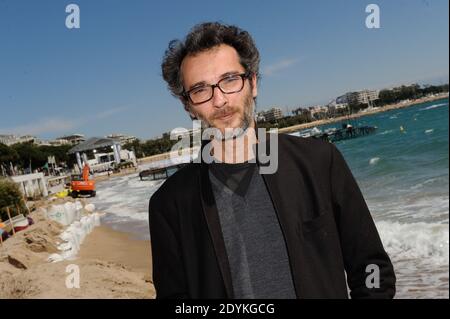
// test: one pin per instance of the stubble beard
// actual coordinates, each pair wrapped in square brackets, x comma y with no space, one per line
[245,122]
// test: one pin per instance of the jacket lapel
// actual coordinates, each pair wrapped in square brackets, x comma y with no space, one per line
[274,187]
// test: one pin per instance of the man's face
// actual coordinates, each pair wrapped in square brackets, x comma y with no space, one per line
[233,110]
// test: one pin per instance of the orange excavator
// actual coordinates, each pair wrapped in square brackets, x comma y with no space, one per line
[81,184]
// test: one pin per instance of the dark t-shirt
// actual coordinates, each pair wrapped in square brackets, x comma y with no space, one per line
[236,177]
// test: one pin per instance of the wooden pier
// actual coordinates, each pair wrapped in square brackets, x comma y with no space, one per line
[347,132]
[159,172]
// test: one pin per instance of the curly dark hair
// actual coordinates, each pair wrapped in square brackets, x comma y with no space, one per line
[203,37]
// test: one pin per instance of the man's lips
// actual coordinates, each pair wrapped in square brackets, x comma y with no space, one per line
[225,116]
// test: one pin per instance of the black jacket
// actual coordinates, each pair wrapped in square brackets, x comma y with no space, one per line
[326,224]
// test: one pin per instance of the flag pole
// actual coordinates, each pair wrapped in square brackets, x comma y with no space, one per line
[25,202]
[10,220]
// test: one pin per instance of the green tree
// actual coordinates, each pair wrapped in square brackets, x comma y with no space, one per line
[134,146]
[30,155]
[7,154]
[10,196]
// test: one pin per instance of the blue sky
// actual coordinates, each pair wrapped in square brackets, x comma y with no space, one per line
[105,77]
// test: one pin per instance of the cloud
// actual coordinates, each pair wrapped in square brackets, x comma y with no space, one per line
[278,66]
[59,125]
[113,111]
[42,126]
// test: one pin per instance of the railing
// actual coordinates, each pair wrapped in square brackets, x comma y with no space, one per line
[32,185]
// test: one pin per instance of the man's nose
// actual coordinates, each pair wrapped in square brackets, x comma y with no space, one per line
[219,99]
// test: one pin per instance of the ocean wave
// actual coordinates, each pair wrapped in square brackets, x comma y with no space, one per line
[429,131]
[374,160]
[433,106]
[428,242]
[420,255]
[124,213]
[409,207]
[125,198]
[430,181]
[386,132]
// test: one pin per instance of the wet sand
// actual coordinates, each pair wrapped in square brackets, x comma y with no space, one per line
[118,247]
[111,264]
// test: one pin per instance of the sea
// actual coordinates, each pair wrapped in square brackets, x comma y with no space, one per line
[403,172]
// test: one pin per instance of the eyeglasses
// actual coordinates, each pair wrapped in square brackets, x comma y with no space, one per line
[228,85]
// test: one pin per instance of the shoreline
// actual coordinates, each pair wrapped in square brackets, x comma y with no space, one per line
[386,108]
[297,127]
[119,247]
[111,263]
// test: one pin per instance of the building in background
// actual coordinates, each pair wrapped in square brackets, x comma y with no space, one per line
[318,112]
[13,139]
[73,139]
[270,115]
[122,138]
[302,111]
[337,108]
[59,142]
[315,112]
[360,97]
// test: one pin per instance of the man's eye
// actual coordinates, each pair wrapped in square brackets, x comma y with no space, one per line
[230,79]
[199,90]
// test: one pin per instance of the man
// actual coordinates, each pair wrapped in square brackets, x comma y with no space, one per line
[224,229]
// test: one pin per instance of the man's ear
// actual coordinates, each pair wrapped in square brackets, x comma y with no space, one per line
[254,80]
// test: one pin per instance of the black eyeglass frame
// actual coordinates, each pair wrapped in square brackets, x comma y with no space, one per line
[244,76]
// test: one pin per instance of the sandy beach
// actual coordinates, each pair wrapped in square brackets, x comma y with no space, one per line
[110,245]
[111,264]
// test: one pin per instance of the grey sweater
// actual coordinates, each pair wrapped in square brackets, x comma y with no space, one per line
[253,238]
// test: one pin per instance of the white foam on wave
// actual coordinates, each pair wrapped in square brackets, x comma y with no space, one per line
[430,181]
[411,208]
[123,212]
[386,132]
[433,106]
[424,242]
[420,255]
[125,198]
[374,160]
[429,131]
